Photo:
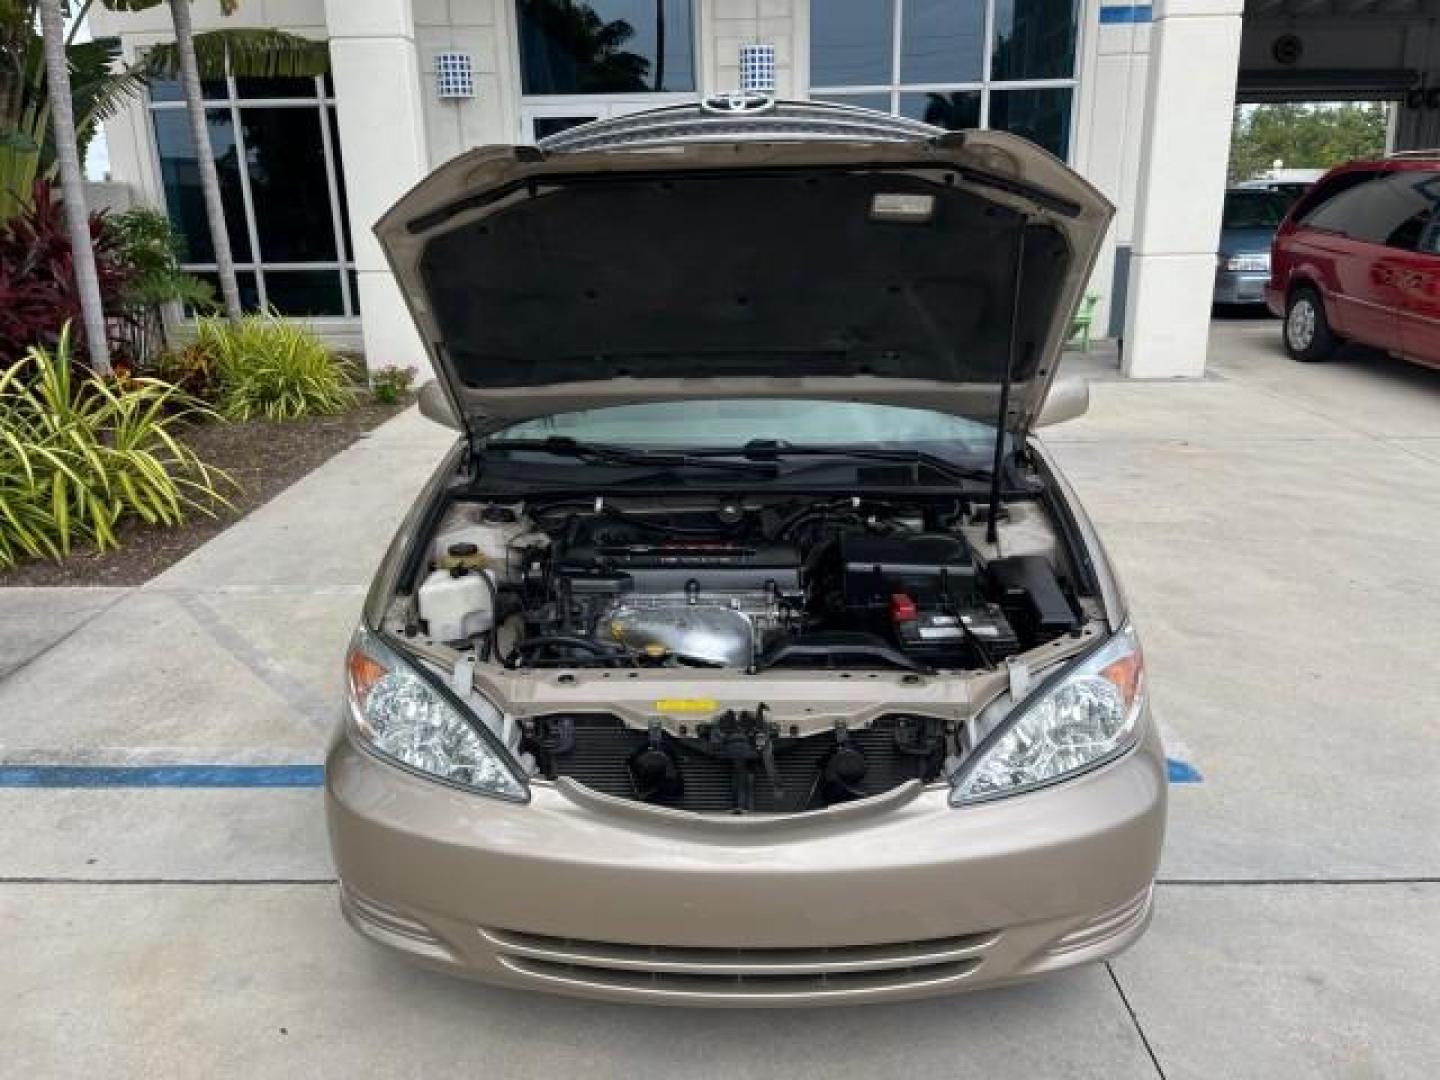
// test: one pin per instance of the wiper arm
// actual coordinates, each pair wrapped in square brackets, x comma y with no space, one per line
[604,454]
[762,450]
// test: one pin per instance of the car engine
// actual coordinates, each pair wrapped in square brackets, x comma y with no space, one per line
[745,585]
[736,583]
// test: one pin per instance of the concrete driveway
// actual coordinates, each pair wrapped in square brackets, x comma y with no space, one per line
[1278,528]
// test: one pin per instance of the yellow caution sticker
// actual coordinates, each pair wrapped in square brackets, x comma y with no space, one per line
[686,705]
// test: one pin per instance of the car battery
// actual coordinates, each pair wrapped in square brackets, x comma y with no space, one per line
[940,639]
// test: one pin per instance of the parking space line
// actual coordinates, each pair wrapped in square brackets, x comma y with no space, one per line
[253,776]
[1182,772]
[172,776]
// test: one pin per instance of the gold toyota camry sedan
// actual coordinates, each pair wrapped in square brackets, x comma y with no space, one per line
[747,649]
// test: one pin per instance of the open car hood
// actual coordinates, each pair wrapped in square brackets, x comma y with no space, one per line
[794,250]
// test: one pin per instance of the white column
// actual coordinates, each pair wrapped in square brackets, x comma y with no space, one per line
[382,141]
[1194,55]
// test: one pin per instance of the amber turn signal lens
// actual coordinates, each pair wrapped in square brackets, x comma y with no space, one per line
[364,671]
[1125,674]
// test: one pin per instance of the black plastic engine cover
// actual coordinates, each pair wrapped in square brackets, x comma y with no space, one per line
[933,569]
[1028,590]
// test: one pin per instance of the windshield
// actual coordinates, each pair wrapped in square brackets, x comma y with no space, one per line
[695,425]
[1254,209]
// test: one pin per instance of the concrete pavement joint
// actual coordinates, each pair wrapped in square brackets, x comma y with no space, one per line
[1139,1029]
[1294,881]
[63,637]
[260,663]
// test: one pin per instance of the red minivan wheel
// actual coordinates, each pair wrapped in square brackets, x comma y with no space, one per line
[1307,332]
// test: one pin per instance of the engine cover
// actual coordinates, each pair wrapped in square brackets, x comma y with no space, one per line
[679,565]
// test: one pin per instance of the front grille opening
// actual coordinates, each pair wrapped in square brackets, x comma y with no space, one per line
[839,985]
[709,775]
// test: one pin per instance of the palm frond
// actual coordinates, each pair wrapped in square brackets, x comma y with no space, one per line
[100,88]
[256,53]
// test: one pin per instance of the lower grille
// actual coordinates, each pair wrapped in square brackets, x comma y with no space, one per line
[745,988]
[716,973]
[602,747]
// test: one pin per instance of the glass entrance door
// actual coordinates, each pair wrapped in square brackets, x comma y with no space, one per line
[538,120]
[584,60]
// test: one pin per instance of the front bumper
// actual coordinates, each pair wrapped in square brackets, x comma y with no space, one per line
[1240,287]
[897,897]
[1274,300]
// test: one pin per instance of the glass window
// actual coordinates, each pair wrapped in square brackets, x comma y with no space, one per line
[953,109]
[927,59]
[169,89]
[734,423]
[942,41]
[1034,39]
[180,174]
[1042,116]
[606,46]
[305,293]
[553,125]
[288,186]
[340,185]
[1253,210]
[282,193]
[1343,211]
[878,102]
[851,42]
[249,287]
[1394,210]
[301,87]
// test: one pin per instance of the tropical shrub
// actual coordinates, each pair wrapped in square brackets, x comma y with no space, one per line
[389,382]
[79,454]
[37,279]
[268,367]
[189,369]
[150,249]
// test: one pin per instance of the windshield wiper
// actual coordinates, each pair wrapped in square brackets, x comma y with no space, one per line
[604,454]
[764,450]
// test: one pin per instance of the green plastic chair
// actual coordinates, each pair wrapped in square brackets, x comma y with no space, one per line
[1083,320]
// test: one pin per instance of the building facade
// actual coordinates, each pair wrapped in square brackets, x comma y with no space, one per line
[307,165]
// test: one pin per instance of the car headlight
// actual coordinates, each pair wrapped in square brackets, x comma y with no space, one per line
[1249,264]
[402,715]
[1087,717]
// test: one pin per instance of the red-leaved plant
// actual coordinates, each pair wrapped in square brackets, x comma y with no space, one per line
[37,277]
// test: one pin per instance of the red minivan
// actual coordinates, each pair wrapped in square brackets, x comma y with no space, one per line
[1358,259]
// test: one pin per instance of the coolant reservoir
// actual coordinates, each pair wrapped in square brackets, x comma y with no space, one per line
[456,604]
[499,533]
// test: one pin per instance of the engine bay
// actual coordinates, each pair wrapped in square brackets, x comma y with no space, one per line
[687,590]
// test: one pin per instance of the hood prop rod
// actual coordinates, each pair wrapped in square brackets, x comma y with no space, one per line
[1012,344]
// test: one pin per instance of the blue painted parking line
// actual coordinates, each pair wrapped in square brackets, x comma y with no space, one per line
[1182,772]
[255,776]
[175,776]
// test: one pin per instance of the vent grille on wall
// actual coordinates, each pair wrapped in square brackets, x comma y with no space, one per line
[757,69]
[454,76]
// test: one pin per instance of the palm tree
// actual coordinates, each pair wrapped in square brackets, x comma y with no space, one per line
[250,52]
[98,89]
[72,185]
[204,153]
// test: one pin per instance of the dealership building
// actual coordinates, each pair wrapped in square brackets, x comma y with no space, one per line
[1138,98]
